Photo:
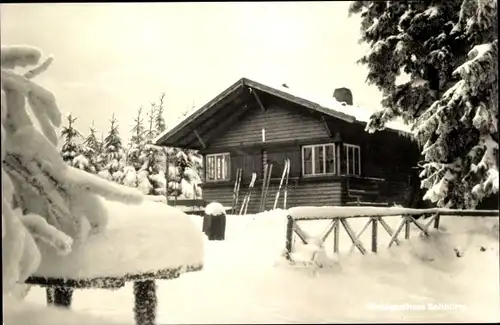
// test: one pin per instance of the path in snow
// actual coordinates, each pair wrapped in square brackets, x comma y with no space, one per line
[246,281]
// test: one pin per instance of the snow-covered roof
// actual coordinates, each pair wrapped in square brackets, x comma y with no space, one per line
[361,114]
[326,105]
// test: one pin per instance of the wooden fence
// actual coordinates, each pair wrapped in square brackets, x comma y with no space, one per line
[431,217]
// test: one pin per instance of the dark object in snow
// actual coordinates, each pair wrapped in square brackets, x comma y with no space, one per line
[145,302]
[458,253]
[214,226]
[205,224]
[284,85]
[482,249]
[343,95]
[59,296]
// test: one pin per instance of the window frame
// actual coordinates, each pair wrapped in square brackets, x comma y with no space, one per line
[313,160]
[214,157]
[346,159]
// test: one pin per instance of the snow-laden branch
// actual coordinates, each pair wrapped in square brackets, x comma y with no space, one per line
[19,56]
[41,230]
[42,102]
[102,187]
[38,70]
[20,255]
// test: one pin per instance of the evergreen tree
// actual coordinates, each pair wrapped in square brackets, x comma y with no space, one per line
[160,125]
[88,159]
[112,153]
[151,132]
[188,166]
[70,149]
[154,158]
[174,188]
[449,51]
[101,159]
[185,168]
[137,142]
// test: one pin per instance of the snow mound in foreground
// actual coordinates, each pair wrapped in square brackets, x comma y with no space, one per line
[247,276]
[19,312]
[139,238]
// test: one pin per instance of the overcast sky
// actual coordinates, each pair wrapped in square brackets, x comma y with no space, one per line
[116,57]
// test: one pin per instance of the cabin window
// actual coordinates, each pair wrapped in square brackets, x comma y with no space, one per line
[318,159]
[218,167]
[352,158]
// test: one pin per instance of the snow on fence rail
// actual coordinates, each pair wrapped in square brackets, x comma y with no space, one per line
[340,216]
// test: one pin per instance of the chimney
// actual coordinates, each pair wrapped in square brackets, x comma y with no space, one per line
[343,95]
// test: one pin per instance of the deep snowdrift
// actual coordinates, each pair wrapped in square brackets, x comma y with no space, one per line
[246,280]
[25,313]
[139,238]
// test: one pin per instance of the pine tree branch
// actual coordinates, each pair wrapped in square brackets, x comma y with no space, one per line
[40,69]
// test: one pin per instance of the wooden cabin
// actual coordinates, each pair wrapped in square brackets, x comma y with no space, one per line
[334,161]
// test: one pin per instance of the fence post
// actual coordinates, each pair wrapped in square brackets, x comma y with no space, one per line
[436,221]
[407,227]
[336,232]
[374,233]
[289,234]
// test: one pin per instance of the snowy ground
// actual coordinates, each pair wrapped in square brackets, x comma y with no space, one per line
[245,280]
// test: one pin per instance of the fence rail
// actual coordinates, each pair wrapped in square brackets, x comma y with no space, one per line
[432,217]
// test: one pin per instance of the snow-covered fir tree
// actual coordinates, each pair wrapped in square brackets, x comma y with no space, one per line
[136,142]
[160,125]
[88,159]
[185,168]
[113,156]
[47,205]
[134,154]
[70,148]
[151,176]
[185,174]
[449,52]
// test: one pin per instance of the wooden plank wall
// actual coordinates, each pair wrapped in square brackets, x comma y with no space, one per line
[281,125]
[305,194]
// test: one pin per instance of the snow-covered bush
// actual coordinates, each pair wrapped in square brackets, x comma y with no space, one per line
[43,199]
